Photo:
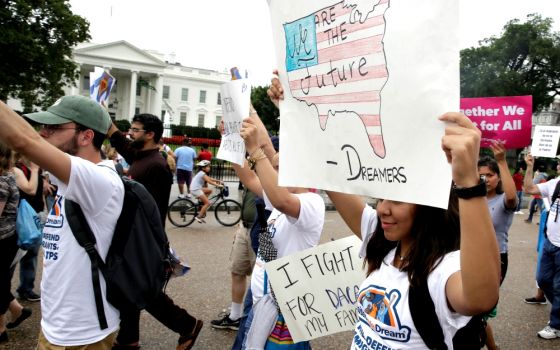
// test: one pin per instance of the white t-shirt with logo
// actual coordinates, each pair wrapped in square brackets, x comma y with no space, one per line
[553,222]
[384,319]
[291,235]
[69,315]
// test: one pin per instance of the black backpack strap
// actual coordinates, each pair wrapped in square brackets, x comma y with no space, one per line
[424,316]
[85,237]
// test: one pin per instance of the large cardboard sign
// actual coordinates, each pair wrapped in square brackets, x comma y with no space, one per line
[508,119]
[364,82]
[316,288]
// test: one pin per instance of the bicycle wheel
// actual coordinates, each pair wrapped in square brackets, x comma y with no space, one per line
[228,212]
[181,212]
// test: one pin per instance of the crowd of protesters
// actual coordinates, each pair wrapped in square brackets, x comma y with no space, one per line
[460,254]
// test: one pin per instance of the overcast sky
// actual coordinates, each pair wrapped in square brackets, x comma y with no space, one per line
[219,34]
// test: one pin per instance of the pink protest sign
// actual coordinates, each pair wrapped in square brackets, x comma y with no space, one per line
[501,118]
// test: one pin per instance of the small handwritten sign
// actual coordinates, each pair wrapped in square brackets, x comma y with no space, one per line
[236,99]
[545,141]
[101,84]
[316,288]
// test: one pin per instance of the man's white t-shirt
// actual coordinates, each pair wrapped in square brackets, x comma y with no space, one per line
[291,235]
[384,319]
[69,315]
[552,224]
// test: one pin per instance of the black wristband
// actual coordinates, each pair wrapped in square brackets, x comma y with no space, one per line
[471,192]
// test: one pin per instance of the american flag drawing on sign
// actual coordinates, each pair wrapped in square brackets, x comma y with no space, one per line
[336,63]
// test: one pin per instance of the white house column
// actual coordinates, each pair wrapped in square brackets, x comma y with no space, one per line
[157,96]
[76,90]
[132,96]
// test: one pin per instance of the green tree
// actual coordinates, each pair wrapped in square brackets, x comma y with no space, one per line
[36,50]
[267,111]
[524,60]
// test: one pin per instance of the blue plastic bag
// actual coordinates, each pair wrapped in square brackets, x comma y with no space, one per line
[28,226]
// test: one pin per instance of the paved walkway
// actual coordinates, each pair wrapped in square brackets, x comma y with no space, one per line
[235,193]
[205,291]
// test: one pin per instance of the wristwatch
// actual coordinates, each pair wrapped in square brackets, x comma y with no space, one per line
[471,192]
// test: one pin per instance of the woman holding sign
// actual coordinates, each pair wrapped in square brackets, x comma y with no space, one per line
[295,224]
[415,247]
[502,203]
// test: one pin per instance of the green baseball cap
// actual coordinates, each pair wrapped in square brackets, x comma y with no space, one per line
[78,109]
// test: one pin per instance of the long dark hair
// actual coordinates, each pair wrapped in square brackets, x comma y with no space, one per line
[6,161]
[493,166]
[435,232]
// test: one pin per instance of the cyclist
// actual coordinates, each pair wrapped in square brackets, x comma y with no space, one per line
[199,189]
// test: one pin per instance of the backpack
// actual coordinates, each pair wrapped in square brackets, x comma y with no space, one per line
[170,161]
[138,263]
[472,336]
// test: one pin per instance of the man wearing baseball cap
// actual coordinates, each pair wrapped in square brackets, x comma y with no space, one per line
[68,146]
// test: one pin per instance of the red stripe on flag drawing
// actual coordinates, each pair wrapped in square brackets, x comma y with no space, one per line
[364,96]
[353,27]
[360,47]
[373,72]
[367,119]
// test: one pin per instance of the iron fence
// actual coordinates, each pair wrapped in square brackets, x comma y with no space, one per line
[223,171]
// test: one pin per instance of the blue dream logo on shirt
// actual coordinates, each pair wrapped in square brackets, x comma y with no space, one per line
[55,218]
[377,307]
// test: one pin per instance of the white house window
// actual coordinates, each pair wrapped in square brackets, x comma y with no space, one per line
[86,83]
[136,110]
[201,120]
[219,101]
[165,91]
[138,89]
[202,97]
[162,114]
[218,120]
[184,94]
[183,118]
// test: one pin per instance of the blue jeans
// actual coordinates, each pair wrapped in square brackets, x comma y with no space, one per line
[248,322]
[533,207]
[519,199]
[548,277]
[27,271]
[243,324]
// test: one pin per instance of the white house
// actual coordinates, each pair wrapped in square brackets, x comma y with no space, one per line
[146,83]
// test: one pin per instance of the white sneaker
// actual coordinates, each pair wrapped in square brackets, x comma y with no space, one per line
[549,333]
[181,196]
[199,220]
[189,195]
[519,212]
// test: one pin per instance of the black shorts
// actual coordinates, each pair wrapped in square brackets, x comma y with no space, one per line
[184,176]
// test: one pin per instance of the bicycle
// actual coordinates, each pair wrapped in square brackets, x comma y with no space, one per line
[182,211]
